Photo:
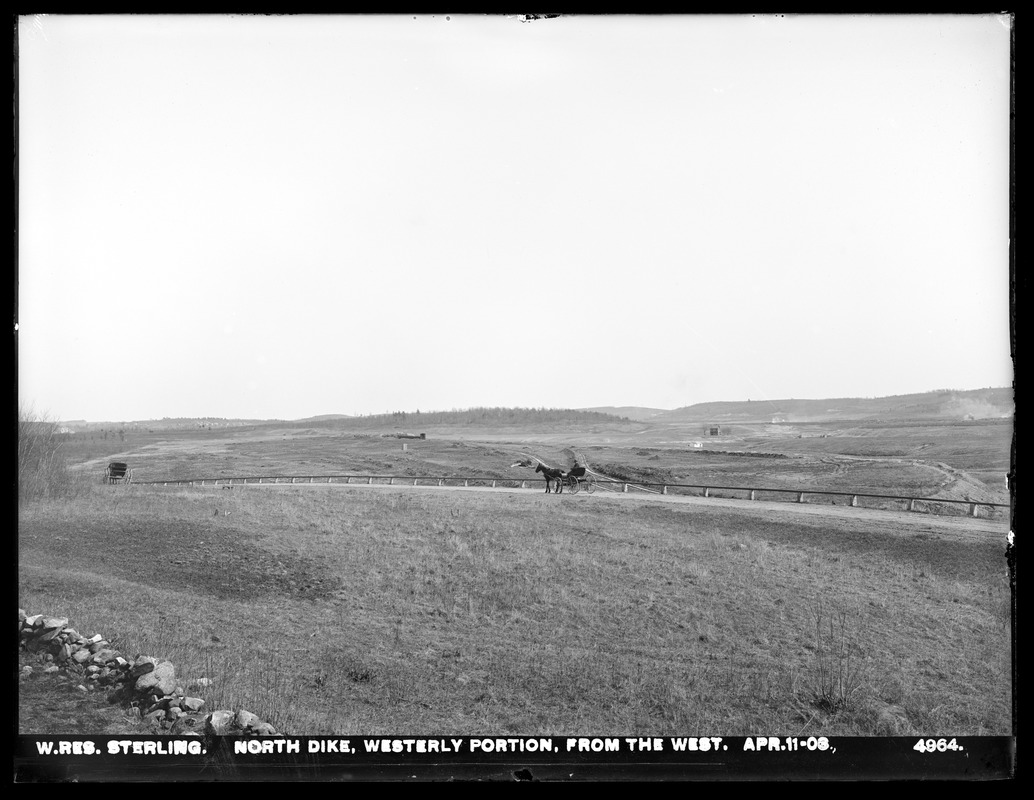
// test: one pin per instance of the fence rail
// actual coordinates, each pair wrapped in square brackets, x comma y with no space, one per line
[920,504]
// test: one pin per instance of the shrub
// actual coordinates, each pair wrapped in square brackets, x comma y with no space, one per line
[42,470]
[835,677]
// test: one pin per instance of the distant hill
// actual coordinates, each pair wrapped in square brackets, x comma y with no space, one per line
[947,404]
[636,413]
[470,417]
[942,404]
[164,424]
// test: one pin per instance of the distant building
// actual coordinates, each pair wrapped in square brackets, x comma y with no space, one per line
[714,430]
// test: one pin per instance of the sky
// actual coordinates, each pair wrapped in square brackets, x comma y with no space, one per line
[281,217]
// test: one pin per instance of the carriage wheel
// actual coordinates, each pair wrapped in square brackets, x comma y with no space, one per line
[590,484]
[573,484]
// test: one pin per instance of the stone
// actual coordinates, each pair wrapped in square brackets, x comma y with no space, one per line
[219,723]
[142,666]
[162,679]
[148,685]
[192,704]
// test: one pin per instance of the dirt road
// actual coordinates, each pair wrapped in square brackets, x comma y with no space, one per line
[776,510]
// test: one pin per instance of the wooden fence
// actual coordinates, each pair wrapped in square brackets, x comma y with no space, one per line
[934,505]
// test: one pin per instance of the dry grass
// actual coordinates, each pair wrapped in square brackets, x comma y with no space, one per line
[376,610]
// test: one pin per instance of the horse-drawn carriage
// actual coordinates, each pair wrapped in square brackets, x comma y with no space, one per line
[118,472]
[579,477]
[574,479]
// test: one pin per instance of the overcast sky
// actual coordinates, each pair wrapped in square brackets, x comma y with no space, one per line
[279,217]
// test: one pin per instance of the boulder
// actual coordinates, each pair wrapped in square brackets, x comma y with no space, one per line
[162,679]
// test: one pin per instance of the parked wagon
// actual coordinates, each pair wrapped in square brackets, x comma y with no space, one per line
[118,472]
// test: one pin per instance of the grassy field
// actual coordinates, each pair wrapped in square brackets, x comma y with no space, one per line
[334,609]
[962,461]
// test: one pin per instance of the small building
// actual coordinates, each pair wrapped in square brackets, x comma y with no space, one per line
[714,430]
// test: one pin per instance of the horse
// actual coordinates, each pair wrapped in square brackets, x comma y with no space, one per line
[552,475]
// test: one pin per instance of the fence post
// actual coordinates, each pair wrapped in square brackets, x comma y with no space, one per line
[707,492]
[854,501]
[800,497]
[664,490]
[752,497]
[972,509]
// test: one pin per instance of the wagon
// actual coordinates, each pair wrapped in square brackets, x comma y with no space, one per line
[118,472]
[579,477]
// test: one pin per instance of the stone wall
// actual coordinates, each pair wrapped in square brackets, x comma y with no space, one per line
[149,685]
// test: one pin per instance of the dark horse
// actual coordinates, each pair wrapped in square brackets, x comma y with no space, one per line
[551,476]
